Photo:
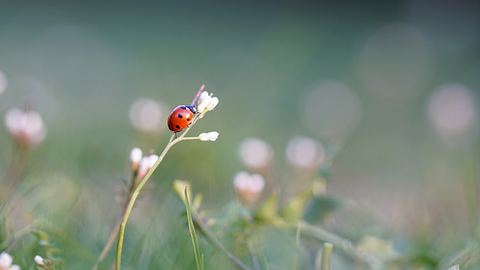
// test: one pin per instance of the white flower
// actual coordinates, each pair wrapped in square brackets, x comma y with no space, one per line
[148,115]
[135,158]
[39,260]
[455,267]
[255,153]
[305,153]
[146,164]
[206,102]
[3,82]
[25,127]
[248,187]
[6,262]
[208,136]
[213,103]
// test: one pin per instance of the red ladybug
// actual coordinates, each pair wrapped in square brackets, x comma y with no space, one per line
[181,117]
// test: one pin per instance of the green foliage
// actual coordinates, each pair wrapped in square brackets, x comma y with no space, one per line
[267,213]
[319,207]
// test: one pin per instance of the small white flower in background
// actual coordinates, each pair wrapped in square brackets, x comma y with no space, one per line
[255,153]
[206,102]
[208,136]
[146,164]
[6,262]
[39,260]
[135,158]
[248,187]
[3,82]
[305,153]
[455,267]
[148,115]
[26,127]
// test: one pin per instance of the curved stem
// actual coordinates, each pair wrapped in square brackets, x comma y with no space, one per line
[326,256]
[133,199]
[136,192]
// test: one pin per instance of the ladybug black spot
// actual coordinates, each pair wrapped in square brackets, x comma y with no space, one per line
[180,115]
[188,119]
[177,126]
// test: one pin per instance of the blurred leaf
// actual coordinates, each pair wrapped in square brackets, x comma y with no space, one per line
[268,211]
[197,202]
[179,187]
[321,206]
[293,211]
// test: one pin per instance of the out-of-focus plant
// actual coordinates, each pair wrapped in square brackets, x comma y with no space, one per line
[6,262]
[144,167]
[27,130]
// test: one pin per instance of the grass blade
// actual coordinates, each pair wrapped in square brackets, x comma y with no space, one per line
[199,259]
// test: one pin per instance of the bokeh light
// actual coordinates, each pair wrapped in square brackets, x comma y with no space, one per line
[304,152]
[255,153]
[148,115]
[395,62]
[331,109]
[453,113]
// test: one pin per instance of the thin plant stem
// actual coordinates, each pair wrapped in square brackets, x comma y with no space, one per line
[111,239]
[193,234]
[326,256]
[133,198]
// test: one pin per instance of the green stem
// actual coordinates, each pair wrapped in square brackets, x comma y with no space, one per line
[326,256]
[193,234]
[133,198]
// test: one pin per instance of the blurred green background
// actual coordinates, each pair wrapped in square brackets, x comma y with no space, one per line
[392,85]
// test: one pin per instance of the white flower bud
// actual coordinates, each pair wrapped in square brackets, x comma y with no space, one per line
[146,164]
[153,159]
[206,102]
[14,267]
[248,187]
[5,260]
[135,158]
[203,101]
[213,103]
[208,136]
[39,260]
[25,127]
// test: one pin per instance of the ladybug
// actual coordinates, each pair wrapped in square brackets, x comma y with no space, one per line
[181,117]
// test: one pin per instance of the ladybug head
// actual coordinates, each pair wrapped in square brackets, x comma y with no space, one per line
[191,108]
